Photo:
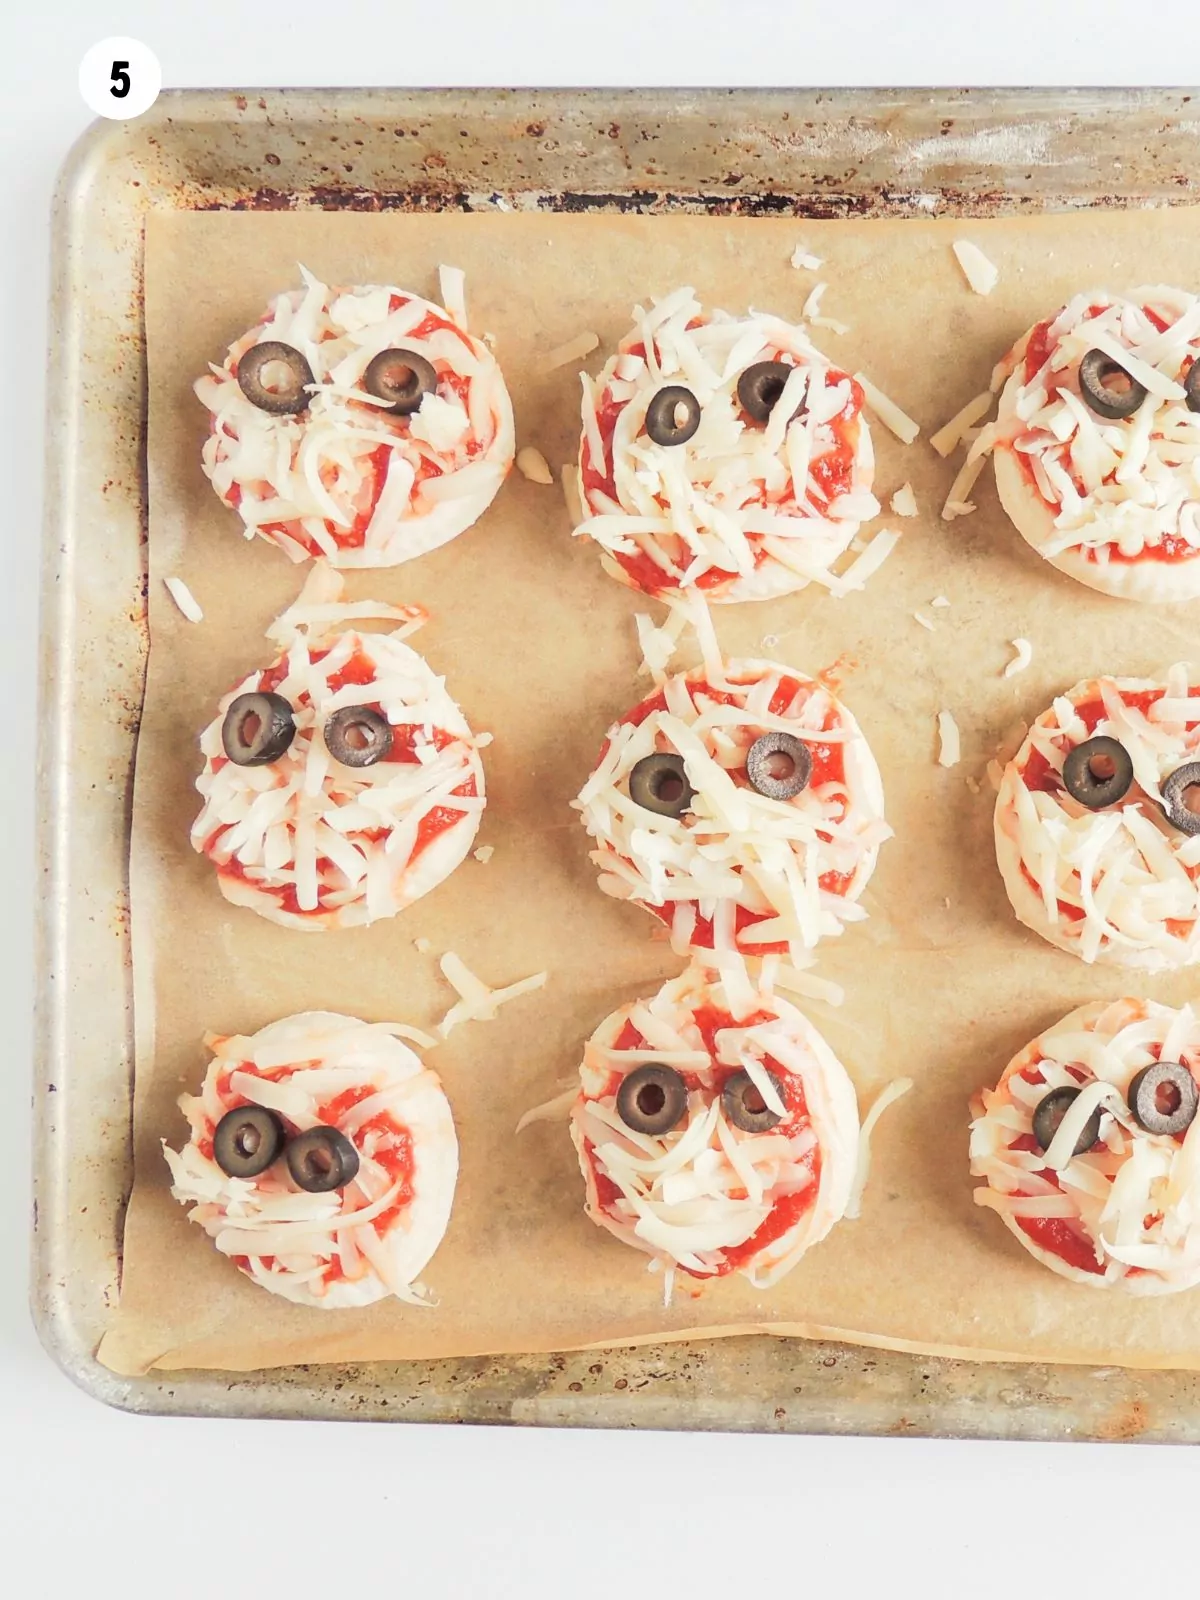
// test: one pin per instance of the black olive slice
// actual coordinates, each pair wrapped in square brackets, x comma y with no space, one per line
[258,728]
[1181,797]
[275,377]
[1108,388]
[358,736]
[659,783]
[673,415]
[402,378]
[743,1104]
[322,1159]
[1098,772]
[779,765]
[247,1141]
[759,388]
[652,1098]
[1164,1098]
[1048,1114]
[1191,387]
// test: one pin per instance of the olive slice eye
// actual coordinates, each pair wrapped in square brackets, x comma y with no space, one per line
[659,783]
[247,1141]
[402,378]
[1164,1097]
[275,377]
[1048,1114]
[358,736]
[673,415]
[779,766]
[744,1106]
[652,1098]
[1181,797]
[1191,387]
[1098,773]
[257,729]
[1107,388]
[760,386]
[321,1160]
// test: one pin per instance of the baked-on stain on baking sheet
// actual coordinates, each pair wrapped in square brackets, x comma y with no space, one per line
[538,646]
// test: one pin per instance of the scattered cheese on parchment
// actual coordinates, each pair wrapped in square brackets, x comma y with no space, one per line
[980,273]
[803,261]
[951,747]
[573,350]
[888,412]
[484,853]
[532,464]
[1022,658]
[904,501]
[184,599]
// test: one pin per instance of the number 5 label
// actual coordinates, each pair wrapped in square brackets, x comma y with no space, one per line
[119,78]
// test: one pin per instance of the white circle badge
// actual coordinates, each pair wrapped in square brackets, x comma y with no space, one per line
[119,78]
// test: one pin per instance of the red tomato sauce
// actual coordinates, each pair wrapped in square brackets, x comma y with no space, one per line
[1065,909]
[1058,1238]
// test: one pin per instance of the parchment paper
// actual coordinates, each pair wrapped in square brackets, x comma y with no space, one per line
[538,646]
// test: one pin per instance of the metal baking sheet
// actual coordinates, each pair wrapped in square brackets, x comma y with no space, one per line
[777,153]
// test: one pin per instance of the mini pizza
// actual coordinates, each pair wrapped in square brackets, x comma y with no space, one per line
[722,454]
[1089,1147]
[1097,822]
[715,1144]
[341,782]
[746,815]
[322,1159]
[1097,442]
[363,425]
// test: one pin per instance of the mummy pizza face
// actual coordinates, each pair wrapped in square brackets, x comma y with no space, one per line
[1097,446]
[722,454]
[747,817]
[1096,833]
[363,425]
[340,784]
[300,1091]
[1090,1150]
[715,1145]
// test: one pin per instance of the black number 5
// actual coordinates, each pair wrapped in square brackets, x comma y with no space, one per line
[120,79]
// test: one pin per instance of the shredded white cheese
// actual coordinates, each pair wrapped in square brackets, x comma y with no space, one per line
[925,622]
[939,600]
[948,437]
[802,260]
[1022,658]
[981,274]
[477,1002]
[904,501]
[184,599]
[484,853]
[885,1098]
[532,464]
[949,752]
[573,350]
[888,412]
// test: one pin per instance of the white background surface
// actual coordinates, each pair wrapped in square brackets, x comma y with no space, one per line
[96,1502]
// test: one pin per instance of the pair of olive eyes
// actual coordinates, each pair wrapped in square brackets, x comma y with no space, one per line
[1113,393]
[259,727]
[653,1099]
[673,414]
[1163,1098]
[1099,773]
[277,378]
[778,766]
[250,1139]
